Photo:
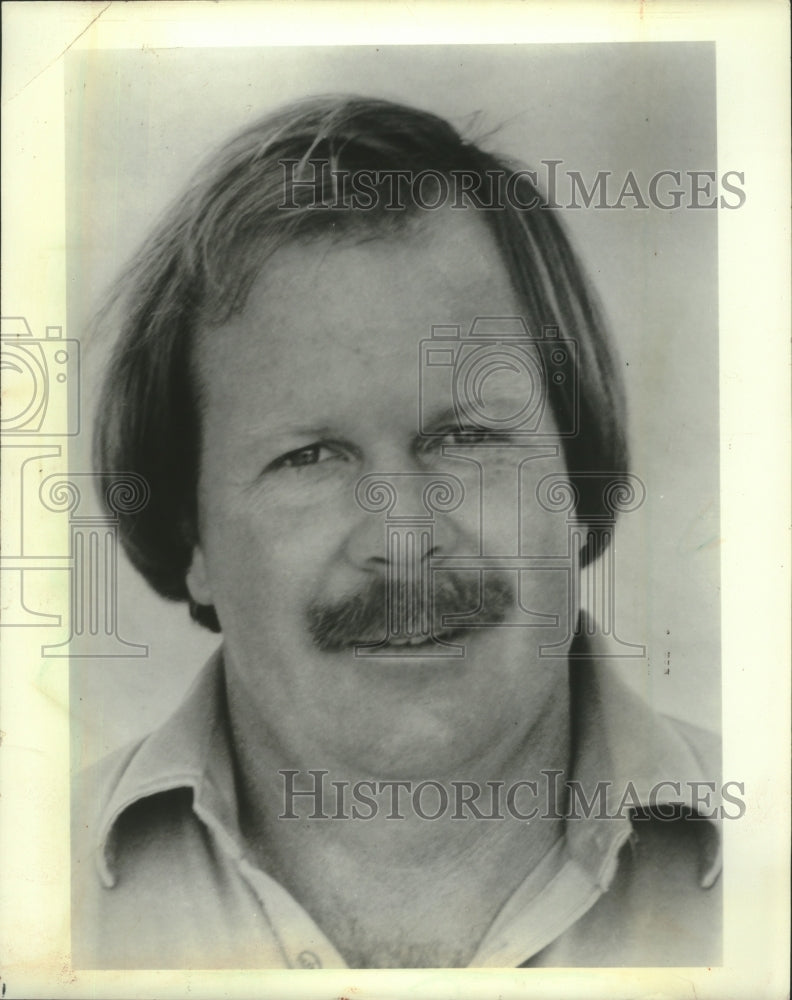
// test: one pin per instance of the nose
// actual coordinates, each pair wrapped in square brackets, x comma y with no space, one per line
[405,519]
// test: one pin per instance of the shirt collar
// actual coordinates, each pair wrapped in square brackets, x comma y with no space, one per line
[620,744]
[638,758]
[192,749]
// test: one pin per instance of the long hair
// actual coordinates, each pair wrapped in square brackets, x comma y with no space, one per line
[290,177]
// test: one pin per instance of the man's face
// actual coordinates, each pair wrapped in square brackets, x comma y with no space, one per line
[314,385]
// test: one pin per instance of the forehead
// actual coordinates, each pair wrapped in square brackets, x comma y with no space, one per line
[357,308]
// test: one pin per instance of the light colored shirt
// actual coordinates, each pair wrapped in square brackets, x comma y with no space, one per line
[162,877]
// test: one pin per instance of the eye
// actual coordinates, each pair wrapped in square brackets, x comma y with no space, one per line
[468,435]
[312,454]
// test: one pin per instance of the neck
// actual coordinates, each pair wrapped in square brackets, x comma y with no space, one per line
[390,885]
[446,817]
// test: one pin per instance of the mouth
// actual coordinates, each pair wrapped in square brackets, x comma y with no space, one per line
[442,637]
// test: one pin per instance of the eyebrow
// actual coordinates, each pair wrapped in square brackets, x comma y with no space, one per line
[451,415]
[268,431]
[448,415]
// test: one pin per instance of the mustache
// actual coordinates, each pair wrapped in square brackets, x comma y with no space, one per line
[364,617]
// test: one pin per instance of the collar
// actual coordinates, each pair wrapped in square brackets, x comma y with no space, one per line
[621,748]
[639,761]
[192,750]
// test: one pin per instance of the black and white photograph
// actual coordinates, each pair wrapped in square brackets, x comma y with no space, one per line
[372,508]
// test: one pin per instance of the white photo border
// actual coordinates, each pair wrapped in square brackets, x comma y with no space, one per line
[752,52]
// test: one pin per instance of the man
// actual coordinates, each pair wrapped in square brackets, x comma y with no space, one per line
[361,370]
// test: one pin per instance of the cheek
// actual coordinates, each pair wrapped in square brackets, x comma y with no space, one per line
[512,510]
[258,553]
[544,534]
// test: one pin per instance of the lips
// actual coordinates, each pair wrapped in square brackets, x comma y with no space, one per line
[412,641]
[415,640]
[404,638]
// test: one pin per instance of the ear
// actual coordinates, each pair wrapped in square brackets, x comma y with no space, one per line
[197,578]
